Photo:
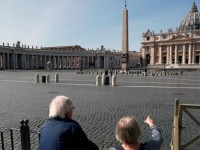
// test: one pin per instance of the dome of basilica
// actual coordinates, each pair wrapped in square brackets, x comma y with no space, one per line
[192,20]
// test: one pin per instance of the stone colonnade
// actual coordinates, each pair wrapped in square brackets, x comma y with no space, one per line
[22,58]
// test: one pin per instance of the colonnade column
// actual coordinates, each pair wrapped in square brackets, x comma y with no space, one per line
[152,56]
[4,61]
[168,51]
[105,62]
[57,62]
[160,54]
[193,54]
[170,54]
[80,61]
[176,55]
[36,61]
[28,63]
[71,62]
[16,61]
[8,61]
[88,66]
[45,61]
[84,63]
[183,58]
[51,59]
[31,61]
[75,61]
[189,54]
[54,62]
[1,61]
[23,61]
[62,62]
[41,61]
[67,59]
[96,62]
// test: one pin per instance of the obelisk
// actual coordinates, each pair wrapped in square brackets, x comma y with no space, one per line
[125,57]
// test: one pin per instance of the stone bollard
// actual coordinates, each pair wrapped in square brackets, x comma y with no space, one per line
[56,77]
[44,79]
[98,80]
[37,78]
[144,74]
[47,78]
[102,78]
[106,80]
[114,80]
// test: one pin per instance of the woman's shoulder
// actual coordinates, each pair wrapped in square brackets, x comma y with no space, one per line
[116,148]
[146,146]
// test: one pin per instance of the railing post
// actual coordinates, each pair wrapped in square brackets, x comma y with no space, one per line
[11,136]
[25,135]
[180,125]
[176,138]
[2,141]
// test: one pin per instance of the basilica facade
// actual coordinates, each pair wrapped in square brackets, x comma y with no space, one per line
[175,49]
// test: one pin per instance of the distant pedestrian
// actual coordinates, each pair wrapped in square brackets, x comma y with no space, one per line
[128,133]
[60,132]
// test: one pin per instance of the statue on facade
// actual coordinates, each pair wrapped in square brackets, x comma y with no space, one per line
[18,44]
[48,65]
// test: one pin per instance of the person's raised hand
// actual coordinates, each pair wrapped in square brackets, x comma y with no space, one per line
[149,121]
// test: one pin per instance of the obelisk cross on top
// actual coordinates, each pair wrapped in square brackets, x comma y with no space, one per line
[125,56]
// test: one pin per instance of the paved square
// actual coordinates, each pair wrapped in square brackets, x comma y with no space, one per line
[98,108]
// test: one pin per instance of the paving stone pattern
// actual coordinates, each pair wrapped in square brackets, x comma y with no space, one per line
[98,108]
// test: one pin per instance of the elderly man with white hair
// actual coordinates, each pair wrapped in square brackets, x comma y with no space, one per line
[60,132]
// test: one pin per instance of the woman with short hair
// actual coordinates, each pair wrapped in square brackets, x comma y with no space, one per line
[128,132]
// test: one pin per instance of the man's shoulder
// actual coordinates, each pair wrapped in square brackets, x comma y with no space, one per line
[58,121]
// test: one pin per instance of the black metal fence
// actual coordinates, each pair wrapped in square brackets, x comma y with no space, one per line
[12,139]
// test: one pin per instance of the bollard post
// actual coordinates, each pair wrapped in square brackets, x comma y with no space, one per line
[102,78]
[25,135]
[47,78]
[144,73]
[106,80]
[56,77]
[114,79]
[37,78]
[98,80]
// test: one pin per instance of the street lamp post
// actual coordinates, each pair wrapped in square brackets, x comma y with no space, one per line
[145,65]
[164,62]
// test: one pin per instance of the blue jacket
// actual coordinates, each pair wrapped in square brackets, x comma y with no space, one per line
[64,134]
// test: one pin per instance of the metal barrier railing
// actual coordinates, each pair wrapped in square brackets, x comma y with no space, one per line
[11,139]
[24,134]
[178,116]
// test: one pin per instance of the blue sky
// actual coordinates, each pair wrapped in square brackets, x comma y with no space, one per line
[88,23]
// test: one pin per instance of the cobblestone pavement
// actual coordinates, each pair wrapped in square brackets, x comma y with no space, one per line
[98,108]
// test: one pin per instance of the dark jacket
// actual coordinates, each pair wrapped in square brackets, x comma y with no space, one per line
[64,134]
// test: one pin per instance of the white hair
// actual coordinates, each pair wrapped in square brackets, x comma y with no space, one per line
[127,130]
[59,106]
